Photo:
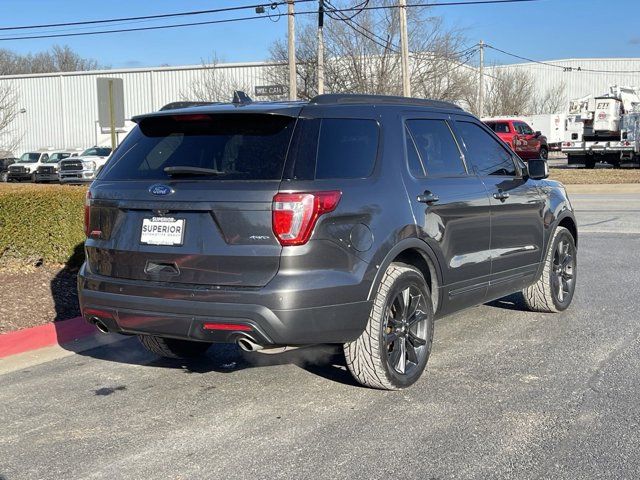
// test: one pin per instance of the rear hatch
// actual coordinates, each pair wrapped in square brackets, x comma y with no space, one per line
[187,198]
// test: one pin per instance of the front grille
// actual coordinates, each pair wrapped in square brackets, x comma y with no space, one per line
[48,170]
[17,169]
[71,165]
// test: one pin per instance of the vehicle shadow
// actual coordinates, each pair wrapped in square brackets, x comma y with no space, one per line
[326,361]
[515,301]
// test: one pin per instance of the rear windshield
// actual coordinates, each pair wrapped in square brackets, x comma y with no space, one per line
[230,146]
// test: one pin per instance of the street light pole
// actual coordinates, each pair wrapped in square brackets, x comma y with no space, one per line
[404,48]
[481,81]
[293,89]
[320,47]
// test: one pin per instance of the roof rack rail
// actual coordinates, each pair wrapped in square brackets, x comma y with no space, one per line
[339,98]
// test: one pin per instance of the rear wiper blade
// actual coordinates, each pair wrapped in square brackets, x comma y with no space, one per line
[186,170]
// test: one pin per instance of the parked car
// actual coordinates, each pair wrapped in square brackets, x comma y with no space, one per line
[48,171]
[520,137]
[83,169]
[26,166]
[4,167]
[353,220]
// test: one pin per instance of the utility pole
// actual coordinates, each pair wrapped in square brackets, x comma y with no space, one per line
[404,48]
[293,88]
[481,81]
[320,47]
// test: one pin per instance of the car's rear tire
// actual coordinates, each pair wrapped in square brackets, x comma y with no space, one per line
[394,348]
[172,347]
[554,290]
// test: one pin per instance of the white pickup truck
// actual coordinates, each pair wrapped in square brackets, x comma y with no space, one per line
[84,168]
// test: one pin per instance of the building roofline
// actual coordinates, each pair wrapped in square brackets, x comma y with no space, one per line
[116,71]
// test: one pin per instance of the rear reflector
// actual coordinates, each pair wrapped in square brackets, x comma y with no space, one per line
[227,326]
[294,215]
[87,213]
[93,313]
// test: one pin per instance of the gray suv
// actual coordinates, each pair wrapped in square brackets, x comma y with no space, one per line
[353,220]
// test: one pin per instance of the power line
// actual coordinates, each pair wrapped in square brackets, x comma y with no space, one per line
[555,65]
[153,17]
[229,20]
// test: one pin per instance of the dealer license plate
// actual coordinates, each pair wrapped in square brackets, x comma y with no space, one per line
[162,231]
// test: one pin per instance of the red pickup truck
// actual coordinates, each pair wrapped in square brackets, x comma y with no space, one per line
[520,137]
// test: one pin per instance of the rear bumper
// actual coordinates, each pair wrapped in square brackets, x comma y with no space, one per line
[128,307]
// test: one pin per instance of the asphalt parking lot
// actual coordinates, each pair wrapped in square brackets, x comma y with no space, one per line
[507,394]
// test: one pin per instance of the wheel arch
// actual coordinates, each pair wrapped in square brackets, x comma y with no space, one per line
[570,224]
[417,253]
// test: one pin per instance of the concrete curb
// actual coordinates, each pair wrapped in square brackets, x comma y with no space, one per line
[56,333]
[604,188]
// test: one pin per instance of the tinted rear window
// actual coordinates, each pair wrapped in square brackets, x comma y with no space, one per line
[335,148]
[236,146]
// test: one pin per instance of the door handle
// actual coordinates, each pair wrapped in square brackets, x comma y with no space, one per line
[500,195]
[428,197]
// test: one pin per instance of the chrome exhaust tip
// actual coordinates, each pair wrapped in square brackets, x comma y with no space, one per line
[102,328]
[248,345]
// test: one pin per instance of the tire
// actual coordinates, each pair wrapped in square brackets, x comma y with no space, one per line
[172,347]
[559,272]
[376,359]
[4,177]
[544,153]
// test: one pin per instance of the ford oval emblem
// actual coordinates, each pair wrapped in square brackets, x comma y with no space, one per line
[159,189]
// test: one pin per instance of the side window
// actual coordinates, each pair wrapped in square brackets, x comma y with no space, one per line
[501,128]
[347,148]
[436,147]
[484,152]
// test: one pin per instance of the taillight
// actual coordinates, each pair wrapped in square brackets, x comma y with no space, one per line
[294,215]
[87,213]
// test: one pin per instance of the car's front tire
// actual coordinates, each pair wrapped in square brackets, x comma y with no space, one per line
[394,348]
[553,292]
[172,347]
[544,153]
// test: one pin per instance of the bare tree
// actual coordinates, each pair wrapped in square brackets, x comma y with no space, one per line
[508,92]
[58,59]
[362,54]
[553,100]
[9,139]
[213,84]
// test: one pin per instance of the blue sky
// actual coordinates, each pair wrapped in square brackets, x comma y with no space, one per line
[543,30]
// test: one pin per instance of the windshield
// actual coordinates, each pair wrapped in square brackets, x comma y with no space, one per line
[56,157]
[96,152]
[30,157]
[220,147]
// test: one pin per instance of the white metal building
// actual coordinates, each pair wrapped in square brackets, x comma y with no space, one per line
[60,110]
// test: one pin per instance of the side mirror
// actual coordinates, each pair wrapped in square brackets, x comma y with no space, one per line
[538,133]
[538,169]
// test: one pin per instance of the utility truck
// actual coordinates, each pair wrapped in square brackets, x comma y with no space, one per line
[604,128]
